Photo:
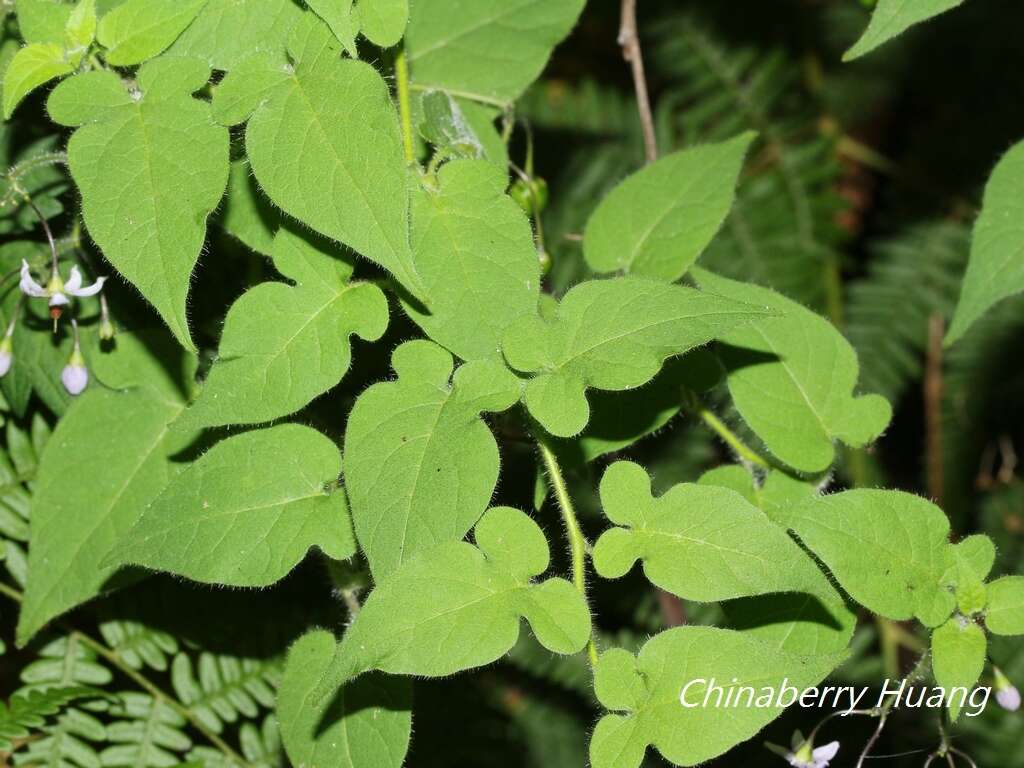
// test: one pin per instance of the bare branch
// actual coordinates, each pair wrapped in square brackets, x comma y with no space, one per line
[629,40]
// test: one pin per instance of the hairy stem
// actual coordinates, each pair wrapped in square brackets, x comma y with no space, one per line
[629,40]
[741,449]
[405,104]
[577,544]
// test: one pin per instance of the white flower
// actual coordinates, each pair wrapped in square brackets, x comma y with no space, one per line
[58,291]
[1006,692]
[808,757]
[75,375]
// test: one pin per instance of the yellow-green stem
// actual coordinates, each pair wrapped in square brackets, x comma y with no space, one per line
[577,544]
[405,105]
[731,439]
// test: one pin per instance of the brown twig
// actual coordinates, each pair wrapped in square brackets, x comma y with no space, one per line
[629,41]
[933,389]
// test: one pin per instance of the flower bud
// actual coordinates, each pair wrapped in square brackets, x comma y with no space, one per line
[1006,692]
[75,375]
[6,355]
[107,330]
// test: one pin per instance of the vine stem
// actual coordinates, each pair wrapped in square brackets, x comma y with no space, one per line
[886,709]
[719,427]
[577,544]
[405,104]
[629,41]
[114,658]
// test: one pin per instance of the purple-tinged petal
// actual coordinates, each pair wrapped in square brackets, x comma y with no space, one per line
[75,378]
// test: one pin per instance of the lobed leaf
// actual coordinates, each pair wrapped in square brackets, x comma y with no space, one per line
[246,512]
[995,270]
[887,549]
[612,335]
[459,606]
[420,464]
[151,165]
[646,690]
[658,221]
[283,346]
[1005,612]
[707,543]
[792,378]
[959,651]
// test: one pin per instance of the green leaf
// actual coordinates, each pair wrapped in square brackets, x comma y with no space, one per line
[43,21]
[892,18]
[81,29]
[143,204]
[968,562]
[227,32]
[996,267]
[792,378]
[707,543]
[612,335]
[458,606]
[474,250]
[492,48]
[141,29]
[246,512]
[351,157]
[420,464]
[658,221]
[887,549]
[31,67]
[959,649]
[248,215]
[341,17]
[647,690]
[367,725]
[1005,613]
[383,22]
[446,127]
[283,346]
[109,457]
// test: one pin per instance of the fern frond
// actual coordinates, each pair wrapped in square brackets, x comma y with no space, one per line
[224,689]
[148,733]
[28,709]
[910,277]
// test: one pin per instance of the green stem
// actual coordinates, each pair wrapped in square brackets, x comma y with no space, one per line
[719,427]
[577,544]
[405,105]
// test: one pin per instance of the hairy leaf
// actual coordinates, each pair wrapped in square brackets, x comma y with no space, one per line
[325,146]
[892,18]
[366,725]
[648,690]
[792,378]
[151,165]
[1005,613]
[458,606]
[341,17]
[248,215]
[707,543]
[31,67]
[487,48]
[613,335]
[383,21]
[887,549]
[226,32]
[420,464]
[108,458]
[247,512]
[958,656]
[474,250]
[140,29]
[283,346]
[658,221]
[996,267]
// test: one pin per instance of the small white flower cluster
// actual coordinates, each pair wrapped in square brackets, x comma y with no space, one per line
[58,292]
